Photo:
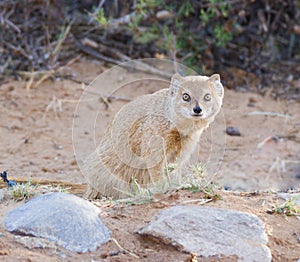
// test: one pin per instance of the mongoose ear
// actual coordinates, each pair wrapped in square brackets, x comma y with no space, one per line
[218,87]
[175,83]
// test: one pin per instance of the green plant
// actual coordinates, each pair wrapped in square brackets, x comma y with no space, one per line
[101,19]
[25,191]
[138,196]
[199,169]
[142,195]
[142,11]
[289,208]
[186,9]
[210,190]
[215,7]
[222,36]
[135,21]
[22,191]
[199,181]
[171,167]
[150,34]
[176,35]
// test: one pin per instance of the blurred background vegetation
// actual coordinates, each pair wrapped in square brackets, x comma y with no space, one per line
[239,39]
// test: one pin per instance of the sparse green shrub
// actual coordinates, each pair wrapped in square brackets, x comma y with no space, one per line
[101,19]
[199,181]
[289,208]
[24,191]
[178,33]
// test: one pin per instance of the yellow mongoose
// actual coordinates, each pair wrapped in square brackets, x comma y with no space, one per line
[150,132]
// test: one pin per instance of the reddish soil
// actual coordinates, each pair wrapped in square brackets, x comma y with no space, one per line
[36,143]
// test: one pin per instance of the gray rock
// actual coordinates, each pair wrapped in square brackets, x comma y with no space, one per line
[35,242]
[209,231]
[65,219]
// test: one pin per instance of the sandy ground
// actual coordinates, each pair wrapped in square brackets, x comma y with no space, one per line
[36,143]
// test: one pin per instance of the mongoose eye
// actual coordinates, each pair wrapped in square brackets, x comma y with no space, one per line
[186,97]
[207,97]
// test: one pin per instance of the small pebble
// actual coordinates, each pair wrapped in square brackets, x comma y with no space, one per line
[251,102]
[233,131]
[163,15]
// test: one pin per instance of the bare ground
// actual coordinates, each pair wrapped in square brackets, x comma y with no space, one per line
[36,143]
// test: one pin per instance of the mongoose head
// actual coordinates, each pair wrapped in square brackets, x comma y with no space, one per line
[196,97]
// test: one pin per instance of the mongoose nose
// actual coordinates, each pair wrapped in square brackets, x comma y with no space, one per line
[197,110]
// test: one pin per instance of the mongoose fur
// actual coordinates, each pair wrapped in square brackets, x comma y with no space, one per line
[150,132]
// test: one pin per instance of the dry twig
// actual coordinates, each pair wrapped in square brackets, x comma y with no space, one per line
[255,113]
